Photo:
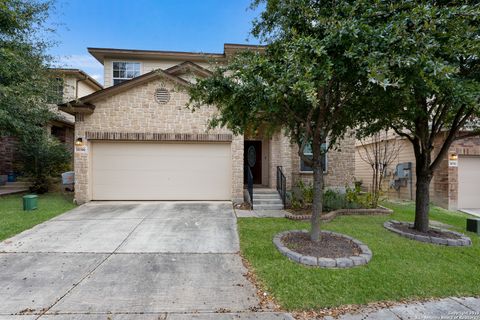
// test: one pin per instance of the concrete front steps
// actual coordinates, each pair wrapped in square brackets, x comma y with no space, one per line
[266,199]
[14,187]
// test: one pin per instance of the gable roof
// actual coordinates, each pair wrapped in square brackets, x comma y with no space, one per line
[86,103]
[186,67]
[79,74]
[101,53]
[228,48]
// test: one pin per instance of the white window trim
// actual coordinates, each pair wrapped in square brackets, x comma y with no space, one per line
[126,61]
[325,170]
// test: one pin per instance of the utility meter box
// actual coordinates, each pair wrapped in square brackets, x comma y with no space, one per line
[473,225]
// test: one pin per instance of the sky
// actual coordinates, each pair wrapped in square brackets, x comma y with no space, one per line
[175,25]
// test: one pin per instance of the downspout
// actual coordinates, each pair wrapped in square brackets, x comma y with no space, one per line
[76,86]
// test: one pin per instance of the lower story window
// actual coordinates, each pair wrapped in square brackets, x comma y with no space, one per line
[307,151]
[59,133]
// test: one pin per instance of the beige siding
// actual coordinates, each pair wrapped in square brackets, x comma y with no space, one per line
[439,184]
[84,89]
[75,87]
[146,66]
[364,173]
[69,88]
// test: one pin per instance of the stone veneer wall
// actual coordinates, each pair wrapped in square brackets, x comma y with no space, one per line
[280,154]
[464,147]
[340,165]
[136,111]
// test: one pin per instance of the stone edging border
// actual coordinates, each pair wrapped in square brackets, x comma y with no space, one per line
[346,262]
[463,241]
[342,212]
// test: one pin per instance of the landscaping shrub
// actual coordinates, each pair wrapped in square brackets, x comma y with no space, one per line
[43,157]
[351,198]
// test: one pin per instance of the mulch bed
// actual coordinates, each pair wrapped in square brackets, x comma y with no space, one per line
[243,206]
[430,233]
[330,246]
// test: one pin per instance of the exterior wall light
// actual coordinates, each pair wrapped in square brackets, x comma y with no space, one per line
[453,157]
[79,142]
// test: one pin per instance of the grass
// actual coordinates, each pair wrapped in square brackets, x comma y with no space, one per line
[14,220]
[400,268]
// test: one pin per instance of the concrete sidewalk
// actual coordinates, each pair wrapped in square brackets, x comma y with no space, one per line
[446,309]
[130,260]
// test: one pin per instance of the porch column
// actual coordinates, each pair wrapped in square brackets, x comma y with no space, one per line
[280,154]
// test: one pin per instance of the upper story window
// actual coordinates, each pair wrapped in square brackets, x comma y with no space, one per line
[56,95]
[123,71]
[308,152]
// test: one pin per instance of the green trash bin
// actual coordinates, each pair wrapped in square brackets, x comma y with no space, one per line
[30,202]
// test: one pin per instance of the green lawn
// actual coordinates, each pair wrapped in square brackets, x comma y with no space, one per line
[400,268]
[14,220]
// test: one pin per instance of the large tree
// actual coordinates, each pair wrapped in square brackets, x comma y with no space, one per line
[424,80]
[26,87]
[302,82]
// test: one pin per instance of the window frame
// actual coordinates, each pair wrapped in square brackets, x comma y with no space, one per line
[325,169]
[123,79]
[60,133]
[57,91]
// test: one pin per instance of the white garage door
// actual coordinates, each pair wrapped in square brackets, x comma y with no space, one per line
[468,182]
[161,171]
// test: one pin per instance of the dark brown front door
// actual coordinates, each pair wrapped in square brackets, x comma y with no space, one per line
[253,158]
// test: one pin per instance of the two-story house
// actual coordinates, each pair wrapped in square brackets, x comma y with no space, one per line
[72,84]
[137,140]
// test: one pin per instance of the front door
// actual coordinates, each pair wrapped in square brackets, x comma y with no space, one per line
[252,157]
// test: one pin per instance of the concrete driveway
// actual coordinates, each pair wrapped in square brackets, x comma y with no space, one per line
[473,212]
[129,260]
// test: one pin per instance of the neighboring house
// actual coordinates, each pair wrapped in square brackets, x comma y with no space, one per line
[72,84]
[137,140]
[455,182]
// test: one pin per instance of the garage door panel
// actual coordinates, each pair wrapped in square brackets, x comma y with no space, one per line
[156,171]
[468,182]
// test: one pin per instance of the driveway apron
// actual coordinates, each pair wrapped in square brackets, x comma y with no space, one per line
[130,260]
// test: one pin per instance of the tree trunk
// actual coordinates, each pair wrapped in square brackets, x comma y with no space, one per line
[422,202]
[317,204]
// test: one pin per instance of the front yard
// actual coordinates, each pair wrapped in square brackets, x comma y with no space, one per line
[14,220]
[400,268]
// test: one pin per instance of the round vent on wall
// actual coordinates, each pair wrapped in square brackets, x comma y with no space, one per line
[162,95]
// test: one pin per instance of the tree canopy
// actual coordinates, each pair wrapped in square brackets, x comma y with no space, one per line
[25,82]
[330,66]
[303,82]
[424,80]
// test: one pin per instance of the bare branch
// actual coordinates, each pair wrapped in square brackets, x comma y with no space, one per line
[457,123]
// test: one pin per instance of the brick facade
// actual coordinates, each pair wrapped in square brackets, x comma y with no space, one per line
[340,165]
[277,150]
